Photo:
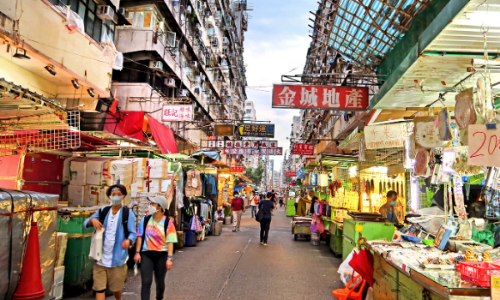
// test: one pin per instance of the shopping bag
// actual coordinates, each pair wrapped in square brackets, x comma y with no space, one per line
[96,245]
[320,226]
[362,262]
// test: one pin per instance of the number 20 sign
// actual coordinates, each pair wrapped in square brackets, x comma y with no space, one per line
[484,146]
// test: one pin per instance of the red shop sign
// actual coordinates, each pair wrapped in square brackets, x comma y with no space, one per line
[324,97]
[236,169]
[291,174]
[303,149]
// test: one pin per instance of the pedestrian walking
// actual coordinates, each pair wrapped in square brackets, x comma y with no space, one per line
[119,235]
[238,208]
[254,203]
[280,197]
[156,236]
[266,208]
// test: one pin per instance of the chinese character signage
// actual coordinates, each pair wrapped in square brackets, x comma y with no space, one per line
[303,149]
[236,169]
[324,97]
[177,113]
[224,130]
[291,174]
[256,130]
[246,147]
[385,136]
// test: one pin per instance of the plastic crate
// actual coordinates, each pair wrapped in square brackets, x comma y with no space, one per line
[478,273]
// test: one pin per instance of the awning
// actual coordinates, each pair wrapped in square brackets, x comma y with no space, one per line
[211,154]
[164,136]
[130,123]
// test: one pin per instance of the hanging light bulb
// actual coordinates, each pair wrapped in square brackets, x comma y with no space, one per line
[21,56]
[91,92]
[75,83]
[50,68]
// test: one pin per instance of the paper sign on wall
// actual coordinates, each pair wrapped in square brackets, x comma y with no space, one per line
[385,136]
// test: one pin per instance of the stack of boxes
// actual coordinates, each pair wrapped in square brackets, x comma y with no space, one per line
[90,177]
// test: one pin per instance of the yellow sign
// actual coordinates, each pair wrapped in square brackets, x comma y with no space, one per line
[358,227]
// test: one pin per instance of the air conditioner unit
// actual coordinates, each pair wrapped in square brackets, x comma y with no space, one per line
[194,64]
[156,65]
[105,12]
[182,93]
[170,82]
[225,41]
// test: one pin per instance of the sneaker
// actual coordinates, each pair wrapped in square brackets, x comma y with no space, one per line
[238,229]
[234,229]
[261,242]
[265,244]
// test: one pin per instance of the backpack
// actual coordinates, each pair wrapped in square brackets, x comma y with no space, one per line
[145,224]
[103,212]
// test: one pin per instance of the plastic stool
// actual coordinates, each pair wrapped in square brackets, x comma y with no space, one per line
[346,293]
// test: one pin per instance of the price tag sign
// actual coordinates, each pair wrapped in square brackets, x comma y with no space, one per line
[484,146]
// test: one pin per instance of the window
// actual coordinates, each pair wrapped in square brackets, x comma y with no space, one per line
[96,28]
[249,111]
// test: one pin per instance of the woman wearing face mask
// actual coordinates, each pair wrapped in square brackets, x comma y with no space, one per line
[387,210]
[155,246]
[119,234]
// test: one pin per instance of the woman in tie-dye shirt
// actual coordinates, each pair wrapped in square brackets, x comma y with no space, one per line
[156,236]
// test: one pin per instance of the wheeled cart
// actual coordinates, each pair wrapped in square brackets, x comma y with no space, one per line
[301,228]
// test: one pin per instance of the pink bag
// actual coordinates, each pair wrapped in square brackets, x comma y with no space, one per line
[320,226]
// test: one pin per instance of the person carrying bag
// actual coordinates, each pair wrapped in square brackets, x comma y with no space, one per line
[264,216]
[156,236]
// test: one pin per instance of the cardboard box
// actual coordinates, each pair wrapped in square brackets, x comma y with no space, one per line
[76,195]
[141,167]
[137,187]
[120,166]
[94,172]
[152,186]
[94,195]
[78,172]
[61,245]
[128,199]
[121,178]
[58,284]
[157,168]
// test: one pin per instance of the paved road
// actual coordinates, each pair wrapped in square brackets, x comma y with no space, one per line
[236,266]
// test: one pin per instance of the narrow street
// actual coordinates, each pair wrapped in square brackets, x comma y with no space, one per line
[236,266]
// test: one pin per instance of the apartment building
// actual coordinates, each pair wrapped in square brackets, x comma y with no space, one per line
[250,114]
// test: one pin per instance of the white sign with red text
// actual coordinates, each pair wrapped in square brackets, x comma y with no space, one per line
[484,146]
[177,113]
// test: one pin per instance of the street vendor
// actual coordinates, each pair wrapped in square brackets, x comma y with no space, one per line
[301,202]
[387,210]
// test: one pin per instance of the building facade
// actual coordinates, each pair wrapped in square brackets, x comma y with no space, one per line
[250,114]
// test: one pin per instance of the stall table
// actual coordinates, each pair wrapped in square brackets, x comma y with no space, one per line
[353,230]
[392,282]
[336,238]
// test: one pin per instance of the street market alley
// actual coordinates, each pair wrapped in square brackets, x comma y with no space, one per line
[236,266]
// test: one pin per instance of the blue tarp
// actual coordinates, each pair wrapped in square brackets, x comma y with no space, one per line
[238,188]
[212,154]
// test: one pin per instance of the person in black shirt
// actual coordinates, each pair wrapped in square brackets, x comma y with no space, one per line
[267,207]
[314,199]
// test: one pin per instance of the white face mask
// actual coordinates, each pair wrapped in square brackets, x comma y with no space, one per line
[151,210]
[116,200]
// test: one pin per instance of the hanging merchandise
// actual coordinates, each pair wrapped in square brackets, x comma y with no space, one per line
[194,187]
[465,113]
[444,127]
[427,134]
[314,178]
[323,179]
[421,163]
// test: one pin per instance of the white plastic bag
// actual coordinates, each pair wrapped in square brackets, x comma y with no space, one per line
[74,22]
[96,245]
[346,271]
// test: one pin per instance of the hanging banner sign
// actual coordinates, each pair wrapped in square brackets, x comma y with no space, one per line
[279,151]
[324,97]
[385,136]
[229,144]
[303,149]
[223,130]
[177,113]
[484,146]
[236,169]
[255,130]
[273,144]
[291,174]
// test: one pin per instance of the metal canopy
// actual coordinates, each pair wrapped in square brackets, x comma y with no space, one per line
[437,67]
[366,30]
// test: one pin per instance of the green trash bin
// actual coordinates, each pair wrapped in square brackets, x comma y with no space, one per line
[77,264]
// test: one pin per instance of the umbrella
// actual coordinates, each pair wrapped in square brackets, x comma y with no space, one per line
[362,262]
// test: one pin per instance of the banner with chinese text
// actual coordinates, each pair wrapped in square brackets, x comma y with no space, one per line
[256,130]
[302,149]
[324,97]
[177,113]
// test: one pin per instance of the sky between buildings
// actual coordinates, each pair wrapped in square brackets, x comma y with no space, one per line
[276,43]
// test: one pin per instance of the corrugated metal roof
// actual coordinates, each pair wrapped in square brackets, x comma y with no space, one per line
[366,30]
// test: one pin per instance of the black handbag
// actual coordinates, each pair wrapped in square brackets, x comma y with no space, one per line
[259,216]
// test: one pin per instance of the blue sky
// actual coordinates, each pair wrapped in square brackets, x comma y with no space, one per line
[276,42]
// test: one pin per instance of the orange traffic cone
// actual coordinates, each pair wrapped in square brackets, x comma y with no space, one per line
[30,285]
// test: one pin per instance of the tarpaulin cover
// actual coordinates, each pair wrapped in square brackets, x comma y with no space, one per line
[215,155]
[164,136]
[129,124]
[13,216]
[237,188]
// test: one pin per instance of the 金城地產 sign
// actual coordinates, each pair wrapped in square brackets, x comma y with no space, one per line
[177,113]
[256,130]
[324,97]
[236,169]
[303,149]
